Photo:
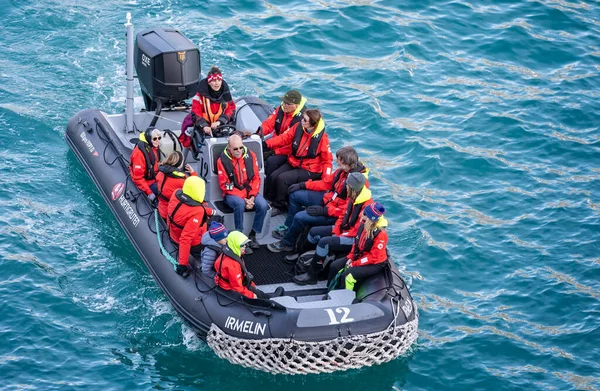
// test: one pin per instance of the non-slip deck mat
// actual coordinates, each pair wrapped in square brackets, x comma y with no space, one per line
[268,267]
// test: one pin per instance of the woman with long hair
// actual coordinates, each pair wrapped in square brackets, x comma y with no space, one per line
[170,178]
[369,252]
[310,158]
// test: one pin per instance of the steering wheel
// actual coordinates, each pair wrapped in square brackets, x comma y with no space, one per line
[219,131]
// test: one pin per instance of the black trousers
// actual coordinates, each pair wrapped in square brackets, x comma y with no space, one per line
[352,275]
[281,179]
[273,163]
[259,294]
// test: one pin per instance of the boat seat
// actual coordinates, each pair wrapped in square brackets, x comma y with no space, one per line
[337,298]
[227,212]
[168,145]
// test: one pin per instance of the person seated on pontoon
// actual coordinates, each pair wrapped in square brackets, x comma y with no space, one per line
[369,252]
[231,270]
[325,201]
[170,178]
[213,105]
[186,221]
[310,158]
[239,180]
[339,237]
[213,241]
[143,163]
[288,114]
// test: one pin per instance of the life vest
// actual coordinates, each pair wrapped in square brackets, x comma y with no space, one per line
[246,276]
[169,172]
[312,148]
[358,253]
[343,193]
[217,249]
[184,199]
[228,165]
[295,119]
[149,158]
[351,217]
[208,115]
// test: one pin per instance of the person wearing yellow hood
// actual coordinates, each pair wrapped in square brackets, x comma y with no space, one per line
[186,221]
[232,274]
[369,252]
[310,158]
[143,162]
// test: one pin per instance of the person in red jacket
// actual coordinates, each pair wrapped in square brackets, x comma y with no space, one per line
[232,274]
[310,157]
[239,179]
[143,163]
[325,201]
[369,252]
[187,221]
[340,237]
[212,106]
[288,114]
[170,178]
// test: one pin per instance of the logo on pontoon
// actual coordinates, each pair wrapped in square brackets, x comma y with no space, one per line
[145,60]
[88,144]
[181,57]
[117,190]
[245,326]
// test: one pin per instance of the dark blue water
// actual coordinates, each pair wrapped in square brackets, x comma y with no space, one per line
[479,122]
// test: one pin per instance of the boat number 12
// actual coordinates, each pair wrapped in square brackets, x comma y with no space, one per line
[333,318]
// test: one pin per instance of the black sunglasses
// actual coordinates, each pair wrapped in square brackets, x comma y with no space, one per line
[156,138]
[237,149]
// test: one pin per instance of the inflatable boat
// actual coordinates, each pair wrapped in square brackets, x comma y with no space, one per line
[307,330]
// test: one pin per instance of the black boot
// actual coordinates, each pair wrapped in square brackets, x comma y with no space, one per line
[308,278]
[278,292]
[253,242]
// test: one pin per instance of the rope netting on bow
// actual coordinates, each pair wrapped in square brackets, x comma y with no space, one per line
[289,356]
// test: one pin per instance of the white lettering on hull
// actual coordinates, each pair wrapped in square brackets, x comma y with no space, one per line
[135,220]
[88,144]
[245,326]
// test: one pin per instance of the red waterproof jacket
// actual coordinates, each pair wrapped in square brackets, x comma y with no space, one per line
[241,186]
[168,180]
[360,256]
[287,120]
[230,273]
[322,160]
[138,169]
[348,223]
[187,224]
[335,199]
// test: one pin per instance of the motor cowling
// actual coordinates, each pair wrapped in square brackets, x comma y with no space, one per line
[167,66]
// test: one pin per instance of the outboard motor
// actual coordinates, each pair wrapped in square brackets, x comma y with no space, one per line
[168,67]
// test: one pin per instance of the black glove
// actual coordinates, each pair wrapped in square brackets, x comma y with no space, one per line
[183,270]
[264,145]
[316,210]
[296,187]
